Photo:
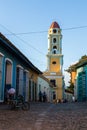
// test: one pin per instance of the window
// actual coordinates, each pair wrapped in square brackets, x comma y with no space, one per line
[54,51]
[54,40]
[59,31]
[54,47]
[53,81]
[54,31]
[54,62]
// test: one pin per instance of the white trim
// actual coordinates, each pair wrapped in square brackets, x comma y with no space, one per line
[53,77]
[1,54]
[7,59]
[19,66]
[26,71]
[52,73]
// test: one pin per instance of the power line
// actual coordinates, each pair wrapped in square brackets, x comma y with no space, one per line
[78,27]
[38,32]
[22,40]
[25,33]
[41,63]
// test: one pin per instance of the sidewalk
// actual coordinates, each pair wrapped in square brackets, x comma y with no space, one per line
[4,106]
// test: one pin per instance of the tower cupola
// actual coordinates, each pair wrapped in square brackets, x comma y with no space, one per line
[54,25]
[54,71]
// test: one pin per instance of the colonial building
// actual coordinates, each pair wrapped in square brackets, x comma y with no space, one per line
[54,70]
[16,71]
[44,86]
[78,72]
[68,95]
[33,85]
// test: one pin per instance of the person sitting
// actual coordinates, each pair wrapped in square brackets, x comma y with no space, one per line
[11,93]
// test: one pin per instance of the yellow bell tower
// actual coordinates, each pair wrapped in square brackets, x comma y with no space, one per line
[55,60]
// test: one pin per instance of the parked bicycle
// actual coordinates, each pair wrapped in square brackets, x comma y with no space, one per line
[19,103]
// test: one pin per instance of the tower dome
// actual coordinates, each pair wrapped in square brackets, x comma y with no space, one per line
[54,25]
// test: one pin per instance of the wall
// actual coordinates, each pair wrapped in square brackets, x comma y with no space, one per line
[11,75]
[44,86]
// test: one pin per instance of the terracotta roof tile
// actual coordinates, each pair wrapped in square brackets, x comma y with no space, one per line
[54,25]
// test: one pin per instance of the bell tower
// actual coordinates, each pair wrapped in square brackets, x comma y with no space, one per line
[55,59]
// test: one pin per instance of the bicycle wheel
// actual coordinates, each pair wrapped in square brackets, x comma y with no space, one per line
[12,105]
[26,106]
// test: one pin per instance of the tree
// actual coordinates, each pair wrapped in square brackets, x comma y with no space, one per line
[71,87]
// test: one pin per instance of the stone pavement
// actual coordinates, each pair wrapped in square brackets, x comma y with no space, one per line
[45,116]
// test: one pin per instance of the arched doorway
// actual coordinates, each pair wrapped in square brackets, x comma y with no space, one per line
[19,80]
[8,77]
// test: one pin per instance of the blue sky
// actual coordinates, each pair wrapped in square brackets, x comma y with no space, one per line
[26,16]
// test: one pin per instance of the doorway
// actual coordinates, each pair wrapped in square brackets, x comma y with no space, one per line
[8,77]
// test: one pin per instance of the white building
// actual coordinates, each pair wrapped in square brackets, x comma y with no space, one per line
[45,86]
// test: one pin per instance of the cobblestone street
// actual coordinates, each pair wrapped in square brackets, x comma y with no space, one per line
[46,116]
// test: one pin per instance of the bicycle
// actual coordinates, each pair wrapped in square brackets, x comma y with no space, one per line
[19,103]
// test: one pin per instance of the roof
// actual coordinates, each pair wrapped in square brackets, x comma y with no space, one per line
[18,53]
[54,25]
[43,77]
[68,91]
[80,63]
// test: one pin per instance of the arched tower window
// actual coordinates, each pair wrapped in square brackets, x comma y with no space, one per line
[54,47]
[54,51]
[54,40]
[54,30]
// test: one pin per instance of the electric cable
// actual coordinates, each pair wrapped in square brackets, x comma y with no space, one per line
[38,32]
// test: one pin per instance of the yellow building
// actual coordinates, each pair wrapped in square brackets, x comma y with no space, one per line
[72,71]
[73,68]
[33,86]
[55,60]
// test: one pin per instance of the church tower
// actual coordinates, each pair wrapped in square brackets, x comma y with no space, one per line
[55,60]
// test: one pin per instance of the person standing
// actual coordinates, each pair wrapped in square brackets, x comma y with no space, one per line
[73,98]
[40,96]
[44,96]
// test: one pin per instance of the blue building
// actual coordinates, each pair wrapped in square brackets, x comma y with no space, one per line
[78,72]
[14,69]
[82,82]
